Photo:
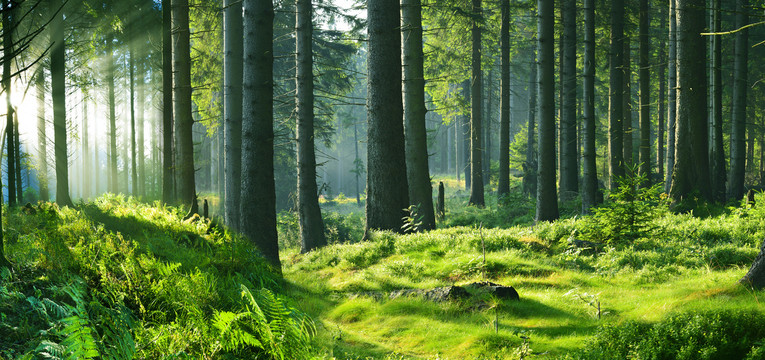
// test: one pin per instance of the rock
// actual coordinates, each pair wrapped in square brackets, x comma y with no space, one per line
[437,294]
[499,291]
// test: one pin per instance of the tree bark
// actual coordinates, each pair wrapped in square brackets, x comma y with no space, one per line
[738,121]
[718,160]
[691,172]
[309,213]
[113,174]
[416,136]
[530,165]
[232,107]
[387,187]
[547,200]
[616,93]
[590,180]
[627,139]
[258,197]
[672,95]
[168,168]
[645,88]
[58,94]
[660,127]
[184,143]
[42,134]
[755,277]
[476,118]
[9,129]
[86,168]
[569,174]
[503,186]
[131,74]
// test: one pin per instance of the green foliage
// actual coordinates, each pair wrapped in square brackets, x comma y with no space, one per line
[693,335]
[412,220]
[628,215]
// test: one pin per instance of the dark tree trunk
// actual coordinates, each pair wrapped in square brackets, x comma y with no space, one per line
[503,186]
[547,200]
[416,136]
[672,95]
[569,171]
[755,277]
[616,93]
[387,188]
[184,143]
[718,152]
[465,132]
[691,171]
[476,101]
[9,129]
[17,145]
[42,134]
[440,207]
[58,92]
[660,127]
[232,40]
[168,169]
[309,213]
[590,185]
[627,140]
[258,198]
[738,121]
[530,165]
[645,88]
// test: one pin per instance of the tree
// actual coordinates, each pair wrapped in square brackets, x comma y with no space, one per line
[7,14]
[590,179]
[569,174]
[416,137]
[258,198]
[672,94]
[530,165]
[112,153]
[661,123]
[42,135]
[615,94]
[168,169]
[131,80]
[58,94]
[503,187]
[476,101]
[387,186]
[232,108]
[184,144]
[547,200]
[691,172]
[718,150]
[645,96]
[309,213]
[738,121]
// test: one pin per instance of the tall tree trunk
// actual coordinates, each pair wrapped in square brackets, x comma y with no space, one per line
[590,185]
[258,197]
[738,121]
[503,186]
[465,139]
[718,160]
[530,166]
[476,102]
[58,93]
[309,213]
[487,129]
[17,145]
[184,143]
[113,173]
[616,94]
[140,122]
[416,136]
[569,174]
[672,95]
[232,37]
[86,168]
[547,200]
[9,129]
[42,134]
[627,140]
[645,88]
[691,171]
[168,168]
[387,187]
[660,127]
[133,151]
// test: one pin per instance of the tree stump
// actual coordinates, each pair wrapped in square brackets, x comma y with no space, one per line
[750,198]
[755,277]
[440,209]
[206,210]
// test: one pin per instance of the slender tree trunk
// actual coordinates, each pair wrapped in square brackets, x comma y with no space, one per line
[738,121]
[718,161]
[258,197]
[503,186]
[691,171]
[465,132]
[133,151]
[569,175]
[140,122]
[86,168]
[9,129]
[416,136]
[113,174]
[531,166]
[487,130]
[476,101]
[309,213]
[627,140]
[660,127]
[616,94]
[387,187]
[17,145]
[645,88]
[672,95]
[182,103]
[168,168]
[58,92]
[547,200]
[232,37]
[42,134]
[590,185]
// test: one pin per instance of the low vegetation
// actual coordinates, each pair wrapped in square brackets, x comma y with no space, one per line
[117,279]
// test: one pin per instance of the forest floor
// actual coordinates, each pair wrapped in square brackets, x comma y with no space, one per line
[115,278]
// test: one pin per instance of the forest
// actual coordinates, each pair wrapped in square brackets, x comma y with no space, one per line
[348,179]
